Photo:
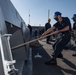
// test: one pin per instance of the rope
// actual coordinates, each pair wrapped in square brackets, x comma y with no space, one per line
[18,46]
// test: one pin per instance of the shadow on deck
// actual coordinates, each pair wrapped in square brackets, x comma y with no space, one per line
[39,68]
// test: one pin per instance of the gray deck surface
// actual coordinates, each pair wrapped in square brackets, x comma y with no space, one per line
[65,66]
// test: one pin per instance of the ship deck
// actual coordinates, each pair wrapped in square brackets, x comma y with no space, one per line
[65,66]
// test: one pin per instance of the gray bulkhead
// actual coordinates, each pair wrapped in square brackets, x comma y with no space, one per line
[12,23]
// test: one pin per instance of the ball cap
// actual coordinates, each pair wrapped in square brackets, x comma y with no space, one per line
[57,13]
[74,16]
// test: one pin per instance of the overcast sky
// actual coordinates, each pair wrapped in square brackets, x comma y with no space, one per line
[38,10]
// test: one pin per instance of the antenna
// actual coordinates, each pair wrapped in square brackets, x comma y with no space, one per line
[29,17]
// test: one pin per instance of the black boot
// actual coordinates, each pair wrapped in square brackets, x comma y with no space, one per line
[74,55]
[51,62]
[60,56]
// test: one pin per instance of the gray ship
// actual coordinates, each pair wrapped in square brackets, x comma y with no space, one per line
[13,31]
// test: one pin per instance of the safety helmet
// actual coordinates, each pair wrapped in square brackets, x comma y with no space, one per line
[74,16]
[57,13]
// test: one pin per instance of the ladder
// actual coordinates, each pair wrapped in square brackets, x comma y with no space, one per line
[8,66]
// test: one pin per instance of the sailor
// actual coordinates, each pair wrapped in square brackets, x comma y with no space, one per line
[36,33]
[74,25]
[47,26]
[74,29]
[30,28]
[63,26]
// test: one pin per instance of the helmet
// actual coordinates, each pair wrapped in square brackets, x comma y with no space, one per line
[49,19]
[74,16]
[57,13]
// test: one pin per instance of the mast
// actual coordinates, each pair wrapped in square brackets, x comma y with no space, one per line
[29,17]
[48,14]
